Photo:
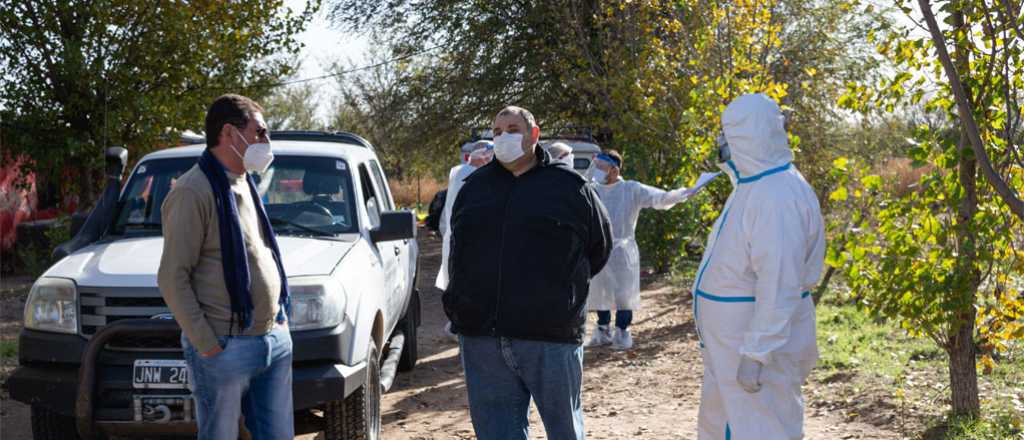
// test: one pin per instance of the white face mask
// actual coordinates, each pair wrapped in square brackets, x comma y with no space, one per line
[257,156]
[508,147]
[599,176]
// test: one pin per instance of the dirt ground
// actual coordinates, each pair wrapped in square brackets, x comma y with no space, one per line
[650,392]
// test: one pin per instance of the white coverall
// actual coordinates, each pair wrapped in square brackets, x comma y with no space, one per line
[456,177]
[751,297]
[617,286]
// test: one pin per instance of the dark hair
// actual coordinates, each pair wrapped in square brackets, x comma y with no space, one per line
[231,109]
[522,113]
[614,154]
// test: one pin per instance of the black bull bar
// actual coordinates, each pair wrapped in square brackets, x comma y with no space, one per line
[84,405]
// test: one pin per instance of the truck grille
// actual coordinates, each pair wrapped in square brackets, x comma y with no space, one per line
[106,305]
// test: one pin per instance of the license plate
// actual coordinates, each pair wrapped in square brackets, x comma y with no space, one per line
[162,409]
[160,374]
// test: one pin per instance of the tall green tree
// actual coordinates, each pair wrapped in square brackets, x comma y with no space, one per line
[649,77]
[294,107]
[79,76]
[379,102]
[944,259]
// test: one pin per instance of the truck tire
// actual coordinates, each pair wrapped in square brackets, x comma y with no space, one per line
[409,325]
[358,416]
[48,425]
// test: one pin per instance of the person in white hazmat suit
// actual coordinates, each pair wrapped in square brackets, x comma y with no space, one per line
[752,305]
[617,286]
[482,154]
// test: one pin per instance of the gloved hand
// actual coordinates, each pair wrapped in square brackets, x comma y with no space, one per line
[749,375]
[680,194]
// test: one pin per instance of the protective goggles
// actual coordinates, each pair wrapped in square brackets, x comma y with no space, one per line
[724,153]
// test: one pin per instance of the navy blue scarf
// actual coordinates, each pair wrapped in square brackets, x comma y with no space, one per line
[232,244]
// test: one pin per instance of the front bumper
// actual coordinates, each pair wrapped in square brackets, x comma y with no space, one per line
[97,390]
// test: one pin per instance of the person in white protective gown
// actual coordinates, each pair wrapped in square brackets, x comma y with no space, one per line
[617,286]
[482,153]
[752,304]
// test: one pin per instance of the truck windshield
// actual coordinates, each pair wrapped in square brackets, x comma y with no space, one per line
[303,195]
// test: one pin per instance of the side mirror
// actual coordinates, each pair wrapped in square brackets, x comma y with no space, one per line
[117,161]
[394,226]
[88,231]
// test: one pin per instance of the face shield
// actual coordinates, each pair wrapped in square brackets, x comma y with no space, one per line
[598,175]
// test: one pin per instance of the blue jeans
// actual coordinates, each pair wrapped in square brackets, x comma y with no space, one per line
[251,377]
[502,374]
[623,318]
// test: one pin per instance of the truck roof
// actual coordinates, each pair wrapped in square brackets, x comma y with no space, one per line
[295,143]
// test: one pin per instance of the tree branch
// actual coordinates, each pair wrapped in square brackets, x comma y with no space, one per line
[1011,19]
[1007,194]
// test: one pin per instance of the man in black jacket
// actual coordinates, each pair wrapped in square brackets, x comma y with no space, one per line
[528,233]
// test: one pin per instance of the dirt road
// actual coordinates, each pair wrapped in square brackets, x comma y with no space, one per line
[651,392]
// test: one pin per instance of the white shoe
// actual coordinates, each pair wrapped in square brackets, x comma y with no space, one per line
[602,336]
[450,334]
[622,340]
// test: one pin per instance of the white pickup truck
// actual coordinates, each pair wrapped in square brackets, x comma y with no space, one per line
[100,357]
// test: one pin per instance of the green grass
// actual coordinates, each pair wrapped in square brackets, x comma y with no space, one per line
[908,372]
[849,339]
[995,428]
[8,350]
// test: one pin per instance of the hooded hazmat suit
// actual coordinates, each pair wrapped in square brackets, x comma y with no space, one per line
[617,286]
[751,297]
[456,178]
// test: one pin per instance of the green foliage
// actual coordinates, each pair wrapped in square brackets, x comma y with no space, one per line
[852,340]
[293,108]
[931,257]
[864,358]
[384,104]
[34,257]
[650,77]
[8,350]
[80,76]
[996,428]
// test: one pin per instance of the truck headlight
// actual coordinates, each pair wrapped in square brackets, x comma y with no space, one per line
[52,306]
[316,303]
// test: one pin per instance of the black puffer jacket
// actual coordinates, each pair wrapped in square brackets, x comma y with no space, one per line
[523,250]
[433,220]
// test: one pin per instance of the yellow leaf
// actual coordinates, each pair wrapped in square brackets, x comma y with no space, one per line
[840,194]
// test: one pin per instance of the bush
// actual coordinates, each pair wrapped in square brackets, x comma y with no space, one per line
[412,192]
[33,252]
[997,428]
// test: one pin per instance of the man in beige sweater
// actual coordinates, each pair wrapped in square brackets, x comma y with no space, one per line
[221,276]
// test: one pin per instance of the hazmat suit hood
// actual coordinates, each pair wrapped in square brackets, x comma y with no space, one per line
[755,130]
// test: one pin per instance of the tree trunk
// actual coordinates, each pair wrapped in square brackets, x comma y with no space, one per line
[820,291]
[963,373]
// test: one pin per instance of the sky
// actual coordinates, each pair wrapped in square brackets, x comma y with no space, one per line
[323,45]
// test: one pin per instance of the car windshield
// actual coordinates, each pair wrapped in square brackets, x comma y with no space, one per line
[303,195]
